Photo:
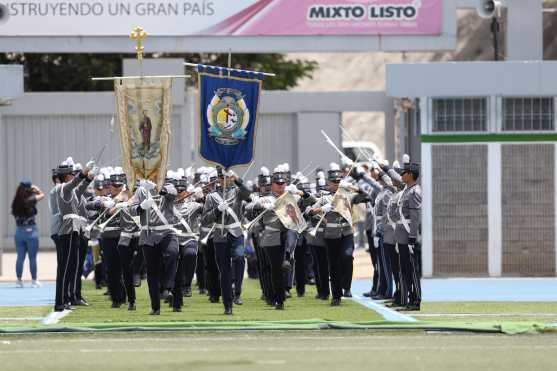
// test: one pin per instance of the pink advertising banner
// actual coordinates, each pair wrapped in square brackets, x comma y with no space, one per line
[223,17]
[334,17]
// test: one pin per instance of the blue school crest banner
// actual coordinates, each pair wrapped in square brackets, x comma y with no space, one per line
[229,104]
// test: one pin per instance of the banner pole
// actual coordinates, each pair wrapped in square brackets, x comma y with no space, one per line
[223,199]
[229,61]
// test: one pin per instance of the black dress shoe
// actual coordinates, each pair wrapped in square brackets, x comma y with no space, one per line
[335,302]
[116,304]
[279,306]
[80,302]
[187,292]
[131,306]
[301,294]
[228,311]
[347,294]
[213,299]
[379,297]
[68,307]
[367,294]
[154,312]
[238,300]
[287,294]
[411,308]
[59,308]
[311,281]
[176,309]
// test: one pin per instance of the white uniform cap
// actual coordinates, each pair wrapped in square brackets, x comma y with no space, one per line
[286,166]
[334,166]
[77,167]
[405,159]
[264,171]
[396,164]
[118,170]
[320,175]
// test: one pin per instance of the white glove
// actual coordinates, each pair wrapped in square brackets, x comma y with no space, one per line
[308,210]
[376,242]
[268,204]
[147,204]
[223,206]
[122,205]
[89,166]
[198,192]
[93,172]
[345,184]
[291,188]
[411,249]
[109,204]
[360,170]
[348,162]
[147,184]
[326,208]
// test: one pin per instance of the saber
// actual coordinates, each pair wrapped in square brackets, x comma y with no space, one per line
[365,154]
[342,155]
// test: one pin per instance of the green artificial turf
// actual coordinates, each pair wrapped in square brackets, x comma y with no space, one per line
[292,351]
[24,311]
[198,308]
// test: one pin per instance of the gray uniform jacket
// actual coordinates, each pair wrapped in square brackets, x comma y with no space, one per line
[371,187]
[382,205]
[153,228]
[409,207]
[272,226]
[189,224]
[112,228]
[68,198]
[55,218]
[233,215]
[129,227]
[335,225]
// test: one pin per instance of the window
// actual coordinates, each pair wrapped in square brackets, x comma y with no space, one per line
[528,114]
[459,114]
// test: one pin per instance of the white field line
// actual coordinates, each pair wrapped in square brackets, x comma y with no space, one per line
[289,350]
[387,313]
[485,315]
[21,319]
[54,317]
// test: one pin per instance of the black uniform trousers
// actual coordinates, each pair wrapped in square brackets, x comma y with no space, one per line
[127,255]
[385,279]
[411,292]
[200,270]
[75,285]
[166,250]
[321,269]
[113,269]
[229,253]
[68,245]
[300,265]
[394,259]
[263,270]
[212,277]
[339,253]
[277,255]
[190,261]
[177,292]
[289,240]
[62,254]
[373,253]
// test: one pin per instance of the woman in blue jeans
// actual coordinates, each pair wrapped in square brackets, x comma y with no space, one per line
[24,209]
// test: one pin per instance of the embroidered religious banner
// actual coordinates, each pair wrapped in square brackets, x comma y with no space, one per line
[286,208]
[144,108]
[229,103]
[342,205]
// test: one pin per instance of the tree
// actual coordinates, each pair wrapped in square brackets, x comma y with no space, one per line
[72,72]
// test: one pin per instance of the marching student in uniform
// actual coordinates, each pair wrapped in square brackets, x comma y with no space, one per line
[338,235]
[188,210]
[228,237]
[68,192]
[157,238]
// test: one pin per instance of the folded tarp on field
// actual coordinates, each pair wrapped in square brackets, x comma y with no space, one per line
[487,327]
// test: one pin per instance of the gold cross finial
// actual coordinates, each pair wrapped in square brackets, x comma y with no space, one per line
[138,34]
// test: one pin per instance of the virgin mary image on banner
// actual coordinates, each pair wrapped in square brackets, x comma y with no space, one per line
[144,116]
